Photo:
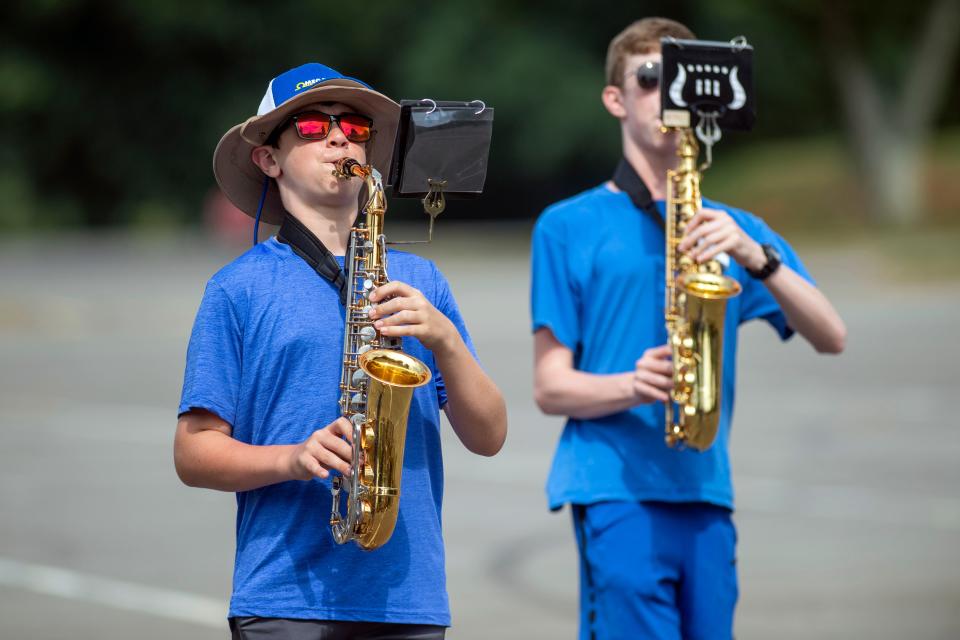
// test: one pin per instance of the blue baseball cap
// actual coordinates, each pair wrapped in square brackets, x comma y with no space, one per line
[242,181]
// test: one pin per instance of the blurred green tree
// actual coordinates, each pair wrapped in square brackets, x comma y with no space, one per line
[111,109]
[893,84]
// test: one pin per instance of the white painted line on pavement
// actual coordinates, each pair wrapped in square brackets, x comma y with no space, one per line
[163,603]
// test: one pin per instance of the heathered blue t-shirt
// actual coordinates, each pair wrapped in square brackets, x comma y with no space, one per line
[598,285]
[265,356]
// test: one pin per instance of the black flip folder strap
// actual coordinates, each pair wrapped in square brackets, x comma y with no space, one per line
[308,246]
[628,181]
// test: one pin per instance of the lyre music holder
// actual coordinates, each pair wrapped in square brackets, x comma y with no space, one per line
[708,86]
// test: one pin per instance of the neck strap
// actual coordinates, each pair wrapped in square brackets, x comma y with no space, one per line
[629,181]
[309,247]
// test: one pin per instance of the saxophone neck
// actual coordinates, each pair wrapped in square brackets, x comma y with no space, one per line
[376,199]
[373,212]
[376,204]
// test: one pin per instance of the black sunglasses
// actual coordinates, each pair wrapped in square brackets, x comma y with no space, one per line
[648,75]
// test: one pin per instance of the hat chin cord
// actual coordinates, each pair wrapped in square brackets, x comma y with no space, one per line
[256,221]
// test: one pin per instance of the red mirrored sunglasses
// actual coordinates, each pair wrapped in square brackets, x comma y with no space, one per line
[315,125]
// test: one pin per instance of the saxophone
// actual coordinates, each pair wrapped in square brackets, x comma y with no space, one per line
[696,300]
[377,381]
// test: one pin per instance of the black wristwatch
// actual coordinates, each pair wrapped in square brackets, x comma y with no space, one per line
[773,263]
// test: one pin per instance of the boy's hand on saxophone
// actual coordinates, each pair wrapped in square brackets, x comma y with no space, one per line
[653,376]
[401,310]
[475,407]
[324,451]
[712,232]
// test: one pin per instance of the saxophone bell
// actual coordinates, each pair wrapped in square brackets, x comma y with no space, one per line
[379,437]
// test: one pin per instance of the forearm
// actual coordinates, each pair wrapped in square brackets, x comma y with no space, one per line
[214,460]
[807,310]
[475,406]
[584,395]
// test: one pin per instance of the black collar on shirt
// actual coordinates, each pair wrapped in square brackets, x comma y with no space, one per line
[312,250]
[627,180]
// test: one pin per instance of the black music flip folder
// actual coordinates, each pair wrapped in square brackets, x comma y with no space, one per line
[441,143]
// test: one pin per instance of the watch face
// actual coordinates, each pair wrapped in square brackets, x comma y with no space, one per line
[772,254]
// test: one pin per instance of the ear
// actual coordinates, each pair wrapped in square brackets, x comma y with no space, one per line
[263,157]
[612,98]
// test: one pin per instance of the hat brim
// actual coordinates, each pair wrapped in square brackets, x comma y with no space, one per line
[242,181]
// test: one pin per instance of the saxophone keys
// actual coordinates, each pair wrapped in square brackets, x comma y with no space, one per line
[368,333]
[675,435]
[358,377]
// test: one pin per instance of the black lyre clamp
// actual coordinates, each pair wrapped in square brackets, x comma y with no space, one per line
[441,152]
[707,86]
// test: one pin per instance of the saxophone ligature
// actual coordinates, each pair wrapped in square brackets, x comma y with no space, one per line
[377,382]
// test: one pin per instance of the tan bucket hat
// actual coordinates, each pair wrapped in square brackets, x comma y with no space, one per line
[243,182]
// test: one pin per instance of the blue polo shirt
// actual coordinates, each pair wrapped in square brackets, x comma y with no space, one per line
[598,285]
[265,356]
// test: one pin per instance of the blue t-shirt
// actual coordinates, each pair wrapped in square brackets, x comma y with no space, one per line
[598,285]
[265,356]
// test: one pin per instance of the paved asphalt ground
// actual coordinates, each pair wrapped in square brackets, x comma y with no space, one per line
[847,469]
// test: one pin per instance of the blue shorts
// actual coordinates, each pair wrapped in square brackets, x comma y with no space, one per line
[657,570]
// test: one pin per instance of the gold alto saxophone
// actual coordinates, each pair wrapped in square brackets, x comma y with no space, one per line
[696,300]
[377,381]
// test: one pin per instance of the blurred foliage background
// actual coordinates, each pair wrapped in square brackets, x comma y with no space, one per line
[111,110]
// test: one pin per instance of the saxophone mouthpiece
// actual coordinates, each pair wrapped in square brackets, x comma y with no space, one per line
[346,168]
